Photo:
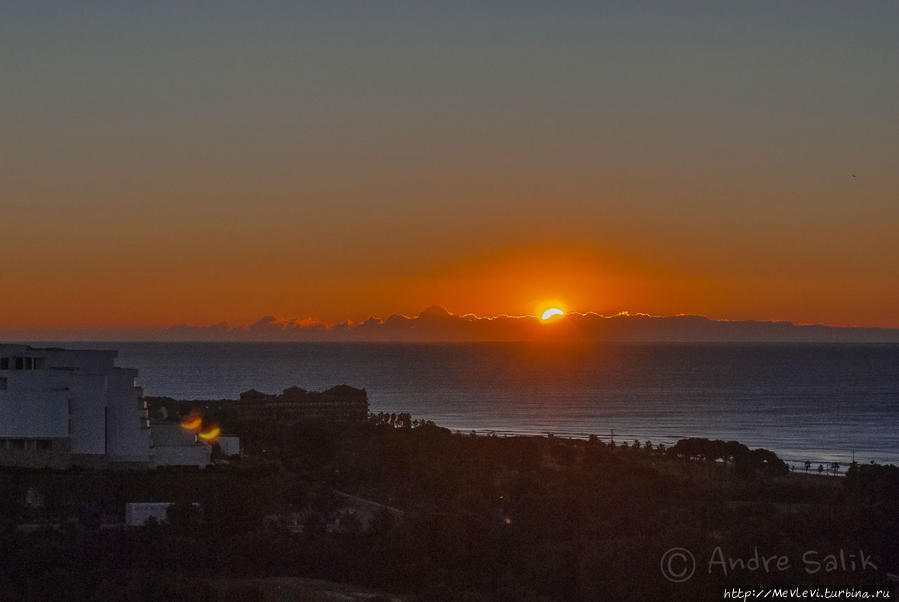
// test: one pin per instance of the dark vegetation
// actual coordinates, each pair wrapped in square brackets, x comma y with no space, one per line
[479,518]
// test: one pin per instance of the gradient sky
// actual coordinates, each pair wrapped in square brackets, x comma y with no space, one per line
[193,162]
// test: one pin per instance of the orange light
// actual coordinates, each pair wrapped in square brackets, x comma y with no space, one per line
[211,433]
[192,423]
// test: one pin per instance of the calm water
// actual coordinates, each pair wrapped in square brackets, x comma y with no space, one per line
[816,402]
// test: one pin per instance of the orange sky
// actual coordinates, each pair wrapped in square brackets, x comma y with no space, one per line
[198,289]
[172,166]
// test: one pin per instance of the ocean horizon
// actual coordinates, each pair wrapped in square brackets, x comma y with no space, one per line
[806,401]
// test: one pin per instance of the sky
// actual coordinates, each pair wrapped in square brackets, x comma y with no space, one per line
[197,162]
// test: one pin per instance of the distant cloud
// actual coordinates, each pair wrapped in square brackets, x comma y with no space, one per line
[437,324]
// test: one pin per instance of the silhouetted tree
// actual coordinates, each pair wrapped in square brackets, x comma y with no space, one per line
[185,518]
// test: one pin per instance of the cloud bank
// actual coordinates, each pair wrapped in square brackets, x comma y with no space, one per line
[435,324]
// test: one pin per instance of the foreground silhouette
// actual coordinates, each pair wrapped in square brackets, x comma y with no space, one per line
[404,506]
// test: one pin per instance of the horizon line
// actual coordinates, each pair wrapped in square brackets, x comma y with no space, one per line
[313,323]
[437,325]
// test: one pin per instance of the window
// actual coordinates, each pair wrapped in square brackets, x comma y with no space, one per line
[44,444]
[4,363]
[28,363]
[4,383]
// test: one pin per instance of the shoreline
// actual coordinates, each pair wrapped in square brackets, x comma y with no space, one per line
[844,459]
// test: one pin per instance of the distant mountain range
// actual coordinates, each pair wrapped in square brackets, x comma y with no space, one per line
[437,324]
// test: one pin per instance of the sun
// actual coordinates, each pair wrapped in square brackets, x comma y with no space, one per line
[551,312]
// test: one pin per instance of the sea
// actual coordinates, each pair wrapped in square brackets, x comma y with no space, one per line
[821,403]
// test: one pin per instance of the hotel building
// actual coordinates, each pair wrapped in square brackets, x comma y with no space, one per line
[62,408]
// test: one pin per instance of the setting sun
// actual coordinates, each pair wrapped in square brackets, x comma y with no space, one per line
[552,311]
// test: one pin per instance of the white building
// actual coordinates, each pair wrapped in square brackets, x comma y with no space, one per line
[172,445]
[229,445]
[138,513]
[62,407]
